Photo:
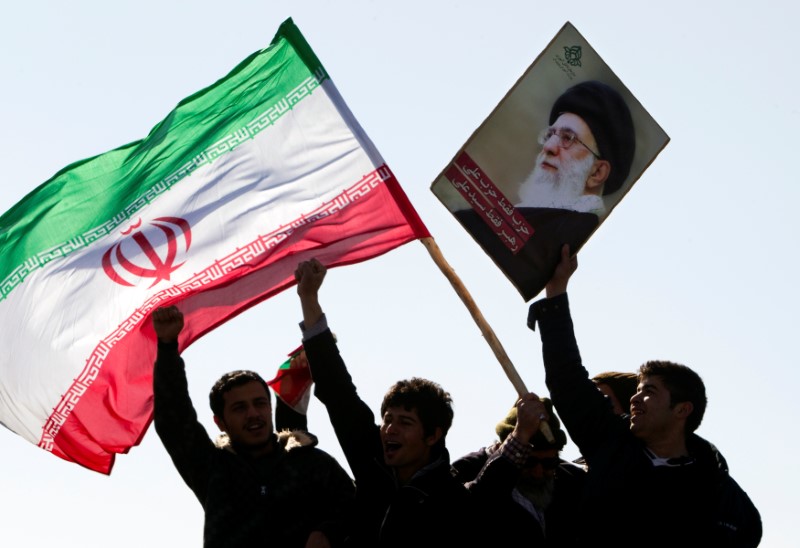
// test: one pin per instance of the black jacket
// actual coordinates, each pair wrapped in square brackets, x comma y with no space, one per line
[628,501]
[273,501]
[492,480]
[431,510]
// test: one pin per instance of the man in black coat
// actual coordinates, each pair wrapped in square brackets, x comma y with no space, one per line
[256,487]
[651,480]
[406,495]
[521,481]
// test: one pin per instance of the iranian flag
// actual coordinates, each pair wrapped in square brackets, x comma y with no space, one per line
[292,383]
[211,211]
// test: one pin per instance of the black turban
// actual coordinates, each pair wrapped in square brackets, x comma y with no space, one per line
[605,112]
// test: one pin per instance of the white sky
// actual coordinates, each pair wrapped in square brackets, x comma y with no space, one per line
[695,265]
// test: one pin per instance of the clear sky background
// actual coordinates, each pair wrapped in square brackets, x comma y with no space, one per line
[697,264]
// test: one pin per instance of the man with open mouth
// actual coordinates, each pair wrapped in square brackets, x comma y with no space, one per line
[649,474]
[406,495]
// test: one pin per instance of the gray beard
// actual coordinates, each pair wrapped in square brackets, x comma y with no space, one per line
[563,189]
[540,493]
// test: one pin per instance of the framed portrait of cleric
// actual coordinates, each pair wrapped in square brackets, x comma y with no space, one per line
[550,162]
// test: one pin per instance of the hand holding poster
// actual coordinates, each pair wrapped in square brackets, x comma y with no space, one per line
[550,163]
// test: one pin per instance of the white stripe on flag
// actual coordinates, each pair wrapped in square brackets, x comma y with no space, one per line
[224,236]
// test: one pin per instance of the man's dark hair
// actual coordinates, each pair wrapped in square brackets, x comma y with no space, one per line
[431,402]
[683,385]
[228,381]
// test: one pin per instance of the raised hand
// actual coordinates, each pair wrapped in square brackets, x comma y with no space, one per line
[168,323]
[564,270]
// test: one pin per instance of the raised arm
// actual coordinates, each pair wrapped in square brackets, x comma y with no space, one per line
[351,418]
[174,417]
[309,276]
[582,408]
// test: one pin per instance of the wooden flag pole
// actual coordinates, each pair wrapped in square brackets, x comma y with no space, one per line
[486,330]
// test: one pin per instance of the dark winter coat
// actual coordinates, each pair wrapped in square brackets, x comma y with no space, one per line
[628,501]
[273,501]
[492,479]
[431,510]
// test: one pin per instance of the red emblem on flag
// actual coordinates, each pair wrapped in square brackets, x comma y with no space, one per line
[152,252]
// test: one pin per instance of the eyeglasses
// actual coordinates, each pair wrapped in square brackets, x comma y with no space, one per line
[548,463]
[566,139]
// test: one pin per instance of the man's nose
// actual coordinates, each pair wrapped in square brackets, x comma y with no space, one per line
[552,145]
[252,411]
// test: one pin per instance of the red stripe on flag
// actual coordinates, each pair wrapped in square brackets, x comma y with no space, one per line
[109,410]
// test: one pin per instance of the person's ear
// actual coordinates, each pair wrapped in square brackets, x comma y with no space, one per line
[684,409]
[220,423]
[434,438]
[600,171]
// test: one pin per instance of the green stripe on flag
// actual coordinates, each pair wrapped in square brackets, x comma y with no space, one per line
[89,199]
[178,219]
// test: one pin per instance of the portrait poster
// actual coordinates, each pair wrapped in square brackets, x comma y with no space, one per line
[550,162]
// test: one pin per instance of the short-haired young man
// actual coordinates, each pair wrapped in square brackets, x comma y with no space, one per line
[256,488]
[406,495]
[651,480]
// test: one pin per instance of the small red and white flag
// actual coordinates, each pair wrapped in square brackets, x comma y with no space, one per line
[292,382]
